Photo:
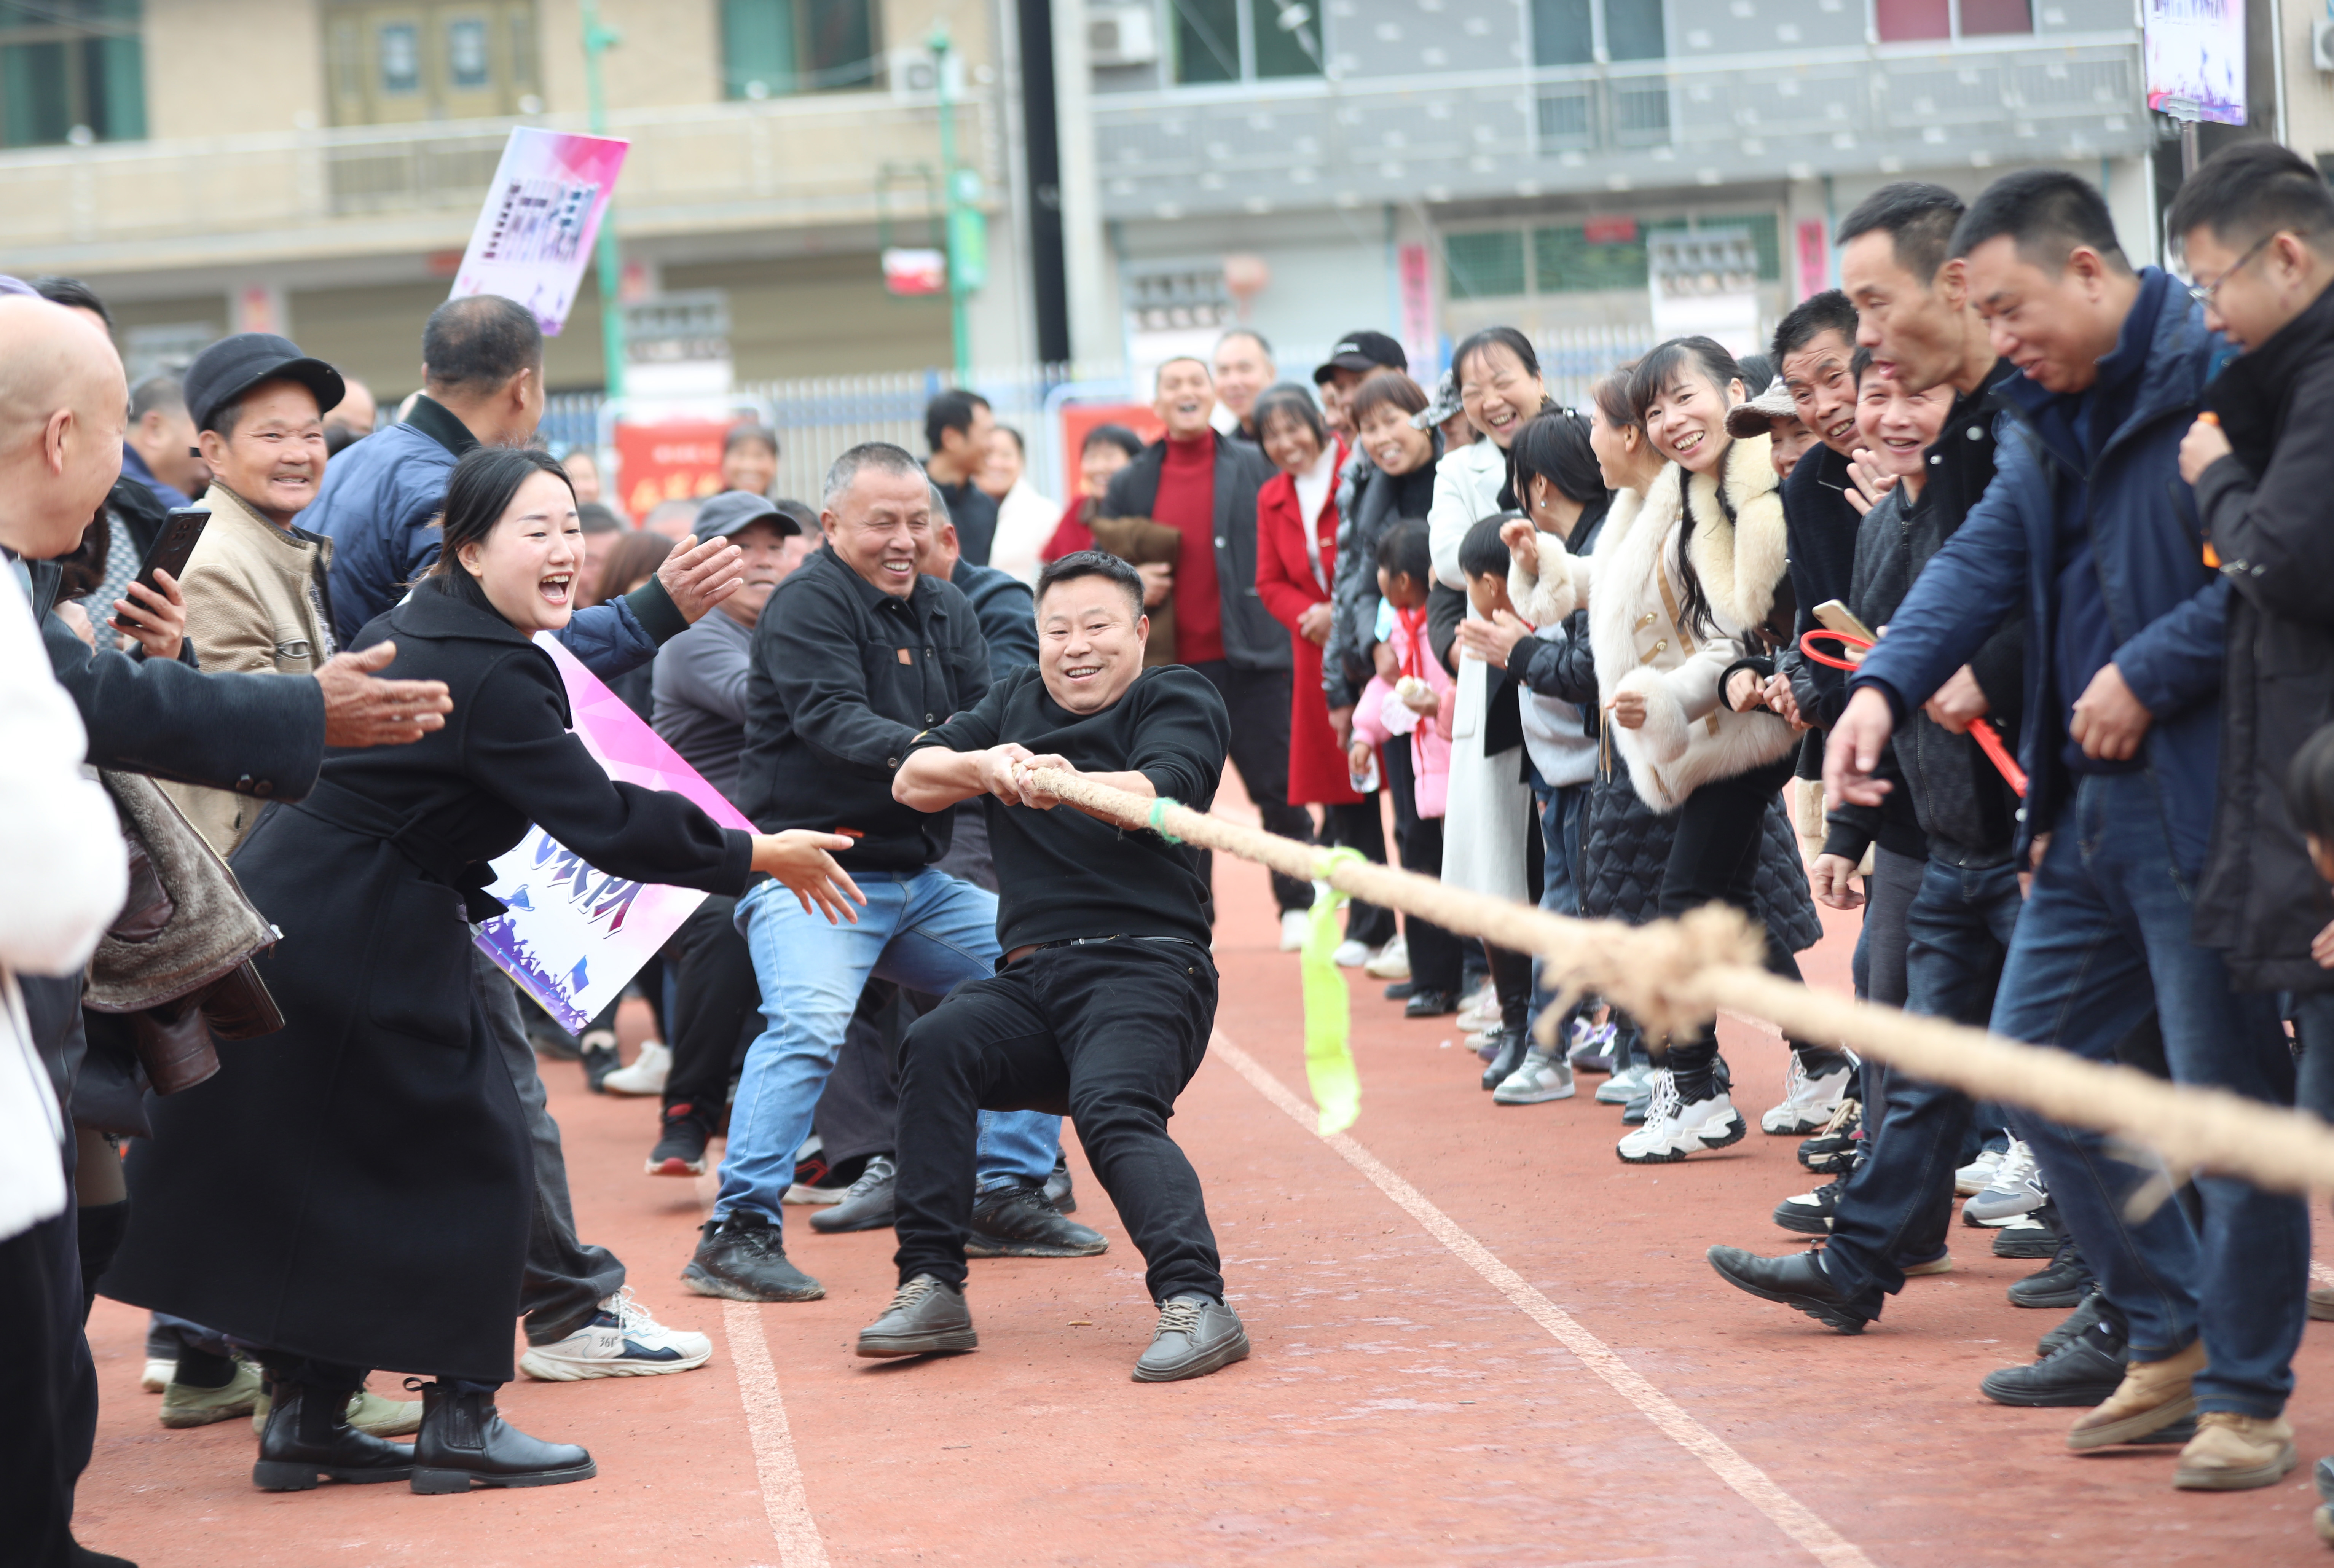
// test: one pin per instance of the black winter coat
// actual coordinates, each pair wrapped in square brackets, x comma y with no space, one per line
[1253,640]
[356,1187]
[2269,510]
[1370,502]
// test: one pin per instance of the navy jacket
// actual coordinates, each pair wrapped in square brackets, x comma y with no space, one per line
[2169,610]
[379,505]
[1007,613]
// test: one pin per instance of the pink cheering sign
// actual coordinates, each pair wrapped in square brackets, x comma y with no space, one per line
[573,935]
[542,213]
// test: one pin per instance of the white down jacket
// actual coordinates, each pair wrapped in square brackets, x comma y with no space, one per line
[1635,596]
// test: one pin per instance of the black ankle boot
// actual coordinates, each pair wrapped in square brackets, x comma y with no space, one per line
[1506,1058]
[463,1439]
[308,1436]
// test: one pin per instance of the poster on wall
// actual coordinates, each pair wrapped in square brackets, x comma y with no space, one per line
[573,936]
[668,460]
[2196,59]
[542,213]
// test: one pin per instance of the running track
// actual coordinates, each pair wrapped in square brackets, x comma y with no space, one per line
[1480,1340]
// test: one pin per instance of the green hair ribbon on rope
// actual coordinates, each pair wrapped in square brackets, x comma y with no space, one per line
[1329,1067]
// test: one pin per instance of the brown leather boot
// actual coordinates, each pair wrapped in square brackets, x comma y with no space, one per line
[2236,1453]
[2152,1395]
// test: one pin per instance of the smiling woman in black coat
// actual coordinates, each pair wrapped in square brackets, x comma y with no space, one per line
[352,1191]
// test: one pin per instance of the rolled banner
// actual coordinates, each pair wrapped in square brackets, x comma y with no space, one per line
[1329,1070]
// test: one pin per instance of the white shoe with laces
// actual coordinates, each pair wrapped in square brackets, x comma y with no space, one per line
[1674,1128]
[1392,962]
[1294,926]
[1350,954]
[619,1340]
[646,1074]
[1808,1100]
[2016,1189]
[1978,1175]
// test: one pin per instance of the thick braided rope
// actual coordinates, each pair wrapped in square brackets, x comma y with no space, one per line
[1671,975]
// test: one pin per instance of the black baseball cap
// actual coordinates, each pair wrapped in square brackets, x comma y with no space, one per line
[234,365]
[1362,352]
[723,516]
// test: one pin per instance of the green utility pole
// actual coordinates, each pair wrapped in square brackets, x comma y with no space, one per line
[597,41]
[968,229]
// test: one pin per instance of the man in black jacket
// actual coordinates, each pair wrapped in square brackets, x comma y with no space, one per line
[855,655]
[1205,485]
[1108,990]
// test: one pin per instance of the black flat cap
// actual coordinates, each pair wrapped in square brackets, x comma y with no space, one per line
[1362,352]
[234,365]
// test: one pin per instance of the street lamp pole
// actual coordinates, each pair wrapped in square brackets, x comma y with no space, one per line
[597,41]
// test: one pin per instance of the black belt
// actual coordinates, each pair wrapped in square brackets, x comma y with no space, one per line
[1119,937]
[432,855]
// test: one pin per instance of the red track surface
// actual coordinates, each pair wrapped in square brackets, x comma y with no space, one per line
[1398,1410]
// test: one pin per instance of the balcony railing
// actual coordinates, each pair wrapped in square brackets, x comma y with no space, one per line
[779,162]
[1452,135]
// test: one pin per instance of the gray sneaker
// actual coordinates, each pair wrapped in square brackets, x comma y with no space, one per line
[867,1205]
[1626,1083]
[1545,1075]
[925,1317]
[1196,1335]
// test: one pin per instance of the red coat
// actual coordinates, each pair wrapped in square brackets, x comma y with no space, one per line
[1317,775]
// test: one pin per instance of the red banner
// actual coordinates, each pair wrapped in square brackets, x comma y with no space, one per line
[666,461]
[1080,418]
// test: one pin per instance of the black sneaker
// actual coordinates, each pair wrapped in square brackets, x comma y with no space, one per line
[1810,1212]
[744,1258]
[2064,1283]
[925,1318]
[680,1147]
[1831,1151]
[1018,1222]
[1400,991]
[2086,1369]
[2035,1236]
[2092,1307]
[1058,1191]
[868,1204]
[1429,1004]
[599,1059]
[1798,1281]
[1197,1334]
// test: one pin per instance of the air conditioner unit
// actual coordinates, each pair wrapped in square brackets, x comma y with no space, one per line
[2321,43]
[1122,35]
[915,75]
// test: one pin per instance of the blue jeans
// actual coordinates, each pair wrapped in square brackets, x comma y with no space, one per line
[2105,937]
[1563,812]
[925,930]
[1899,1202]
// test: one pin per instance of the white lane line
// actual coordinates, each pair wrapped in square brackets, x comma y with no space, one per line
[783,1498]
[775,1464]
[1791,1517]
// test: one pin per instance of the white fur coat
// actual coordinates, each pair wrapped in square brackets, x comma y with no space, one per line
[1689,737]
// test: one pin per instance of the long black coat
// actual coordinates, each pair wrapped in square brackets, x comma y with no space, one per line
[355,1188]
[2269,510]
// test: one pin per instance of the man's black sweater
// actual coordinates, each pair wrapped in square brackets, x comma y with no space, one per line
[1062,874]
[845,676]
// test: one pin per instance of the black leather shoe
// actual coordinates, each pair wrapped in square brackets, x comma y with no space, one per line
[867,1205]
[744,1258]
[1058,1191]
[1506,1059]
[1018,1222]
[2064,1283]
[2084,1315]
[2084,1372]
[1797,1281]
[465,1441]
[308,1437]
[925,1318]
[1429,1004]
[1400,990]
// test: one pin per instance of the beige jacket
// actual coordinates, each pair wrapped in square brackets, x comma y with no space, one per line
[255,601]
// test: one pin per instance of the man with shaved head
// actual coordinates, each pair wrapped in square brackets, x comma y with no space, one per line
[63,411]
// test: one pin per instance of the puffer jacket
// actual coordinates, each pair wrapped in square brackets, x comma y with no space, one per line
[1370,501]
[1635,593]
[1625,849]
[2265,506]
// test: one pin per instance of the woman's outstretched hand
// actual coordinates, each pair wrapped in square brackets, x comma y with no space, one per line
[803,862]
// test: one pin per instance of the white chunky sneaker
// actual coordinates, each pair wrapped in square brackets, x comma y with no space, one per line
[1626,1084]
[1392,962]
[1294,925]
[645,1075]
[1808,1100]
[1545,1075]
[1978,1175]
[2016,1189]
[1674,1129]
[158,1374]
[1350,954]
[619,1340]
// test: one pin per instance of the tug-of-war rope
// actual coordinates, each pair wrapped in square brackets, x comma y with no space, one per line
[1672,975]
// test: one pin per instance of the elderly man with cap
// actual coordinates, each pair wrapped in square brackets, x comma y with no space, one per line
[1356,357]
[1773,414]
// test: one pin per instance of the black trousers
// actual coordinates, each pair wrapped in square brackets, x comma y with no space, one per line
[1434,953]
[1714,859]
[1258,701]
[717,1008]
[1114,1029]
[48,1387]
[1359,826]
